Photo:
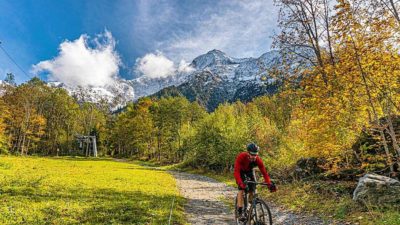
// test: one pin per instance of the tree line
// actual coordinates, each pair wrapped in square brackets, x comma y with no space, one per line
[38,119]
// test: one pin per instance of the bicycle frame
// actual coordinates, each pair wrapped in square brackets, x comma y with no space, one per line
[254,200]
[255,197]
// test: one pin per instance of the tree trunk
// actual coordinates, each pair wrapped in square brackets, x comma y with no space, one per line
[23,145]
[389,157]
[159,146]
[392,134]
[394,10]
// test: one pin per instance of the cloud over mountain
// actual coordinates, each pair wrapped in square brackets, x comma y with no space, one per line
[155,65]
[84,61]
[159,66]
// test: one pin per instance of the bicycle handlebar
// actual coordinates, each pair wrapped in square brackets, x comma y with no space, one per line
[257,183]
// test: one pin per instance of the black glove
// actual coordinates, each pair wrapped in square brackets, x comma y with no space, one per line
[272,187]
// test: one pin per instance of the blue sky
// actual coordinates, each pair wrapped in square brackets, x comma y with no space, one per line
[127,34]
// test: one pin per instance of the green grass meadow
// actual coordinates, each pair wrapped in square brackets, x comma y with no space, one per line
[85,191]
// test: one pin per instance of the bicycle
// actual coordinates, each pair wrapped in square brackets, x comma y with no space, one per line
[258,213]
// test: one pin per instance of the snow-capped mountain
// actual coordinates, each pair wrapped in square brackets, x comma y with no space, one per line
[214,78]
[219,78]
[116,94]
[144,86]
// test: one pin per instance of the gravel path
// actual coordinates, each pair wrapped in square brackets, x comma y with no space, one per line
[203,196]
[204,205]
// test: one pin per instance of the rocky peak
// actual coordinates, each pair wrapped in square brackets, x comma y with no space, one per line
[211,58]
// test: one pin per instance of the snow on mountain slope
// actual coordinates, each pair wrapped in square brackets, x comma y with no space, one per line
[215,75]
[116,94]
[219,78]
[144,86]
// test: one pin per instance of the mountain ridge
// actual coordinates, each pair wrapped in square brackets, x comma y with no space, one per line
[219,78]
[215,78]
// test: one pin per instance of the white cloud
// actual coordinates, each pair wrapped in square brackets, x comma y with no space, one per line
[155,65]
[83,61]
[158,66]
[239,28]
[184,67]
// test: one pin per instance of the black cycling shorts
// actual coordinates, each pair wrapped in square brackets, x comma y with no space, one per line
[248,175]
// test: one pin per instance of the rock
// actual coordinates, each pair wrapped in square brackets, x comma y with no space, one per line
[377,190]
[307,167]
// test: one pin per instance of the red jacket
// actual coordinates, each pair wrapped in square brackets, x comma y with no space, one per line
[243,163]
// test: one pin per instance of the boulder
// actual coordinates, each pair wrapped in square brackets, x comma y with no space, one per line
[308,167]
[373,189]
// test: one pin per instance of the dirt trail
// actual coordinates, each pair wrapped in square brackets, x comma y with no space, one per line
[204,205]
[204,194]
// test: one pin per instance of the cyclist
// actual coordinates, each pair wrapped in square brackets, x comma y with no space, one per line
[244,164]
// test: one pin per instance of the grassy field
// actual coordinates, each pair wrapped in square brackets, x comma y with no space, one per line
[85,191]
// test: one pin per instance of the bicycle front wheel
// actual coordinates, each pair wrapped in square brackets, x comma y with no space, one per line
[236,213]
[260,214]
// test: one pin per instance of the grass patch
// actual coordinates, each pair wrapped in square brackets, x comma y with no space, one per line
[392,217]
[85,191]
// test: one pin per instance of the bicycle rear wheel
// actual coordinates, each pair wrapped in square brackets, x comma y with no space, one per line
[260,214]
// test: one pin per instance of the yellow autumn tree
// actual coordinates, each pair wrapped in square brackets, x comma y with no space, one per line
[368,63]
[351,81]
[3,137]
[25,125]
[323,120]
